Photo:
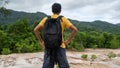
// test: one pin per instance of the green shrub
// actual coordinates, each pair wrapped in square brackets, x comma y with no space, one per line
[18,47]
[6,51]
[93,57]
[111,55]
[84,56]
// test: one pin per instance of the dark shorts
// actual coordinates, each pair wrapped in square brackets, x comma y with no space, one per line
[55,56]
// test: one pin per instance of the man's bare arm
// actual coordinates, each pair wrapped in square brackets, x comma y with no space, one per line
[36,31]
[74,30]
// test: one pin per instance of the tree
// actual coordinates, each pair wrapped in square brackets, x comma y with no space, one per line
[22,37]
[101,41]
[4,40]
[81,38]
[118,38]
[114,43]
[3,10]
[107,39]
[20,27]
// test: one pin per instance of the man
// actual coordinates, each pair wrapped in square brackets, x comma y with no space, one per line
[61,51]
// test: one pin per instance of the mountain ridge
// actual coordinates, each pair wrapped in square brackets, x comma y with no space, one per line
[118,24]
[97,25]
[18,15]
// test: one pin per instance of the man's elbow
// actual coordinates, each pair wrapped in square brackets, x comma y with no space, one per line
[35,30]
[75,29]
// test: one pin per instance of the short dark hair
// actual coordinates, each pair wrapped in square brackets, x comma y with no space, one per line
[56,8]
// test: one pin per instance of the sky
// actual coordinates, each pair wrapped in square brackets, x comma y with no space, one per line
[82,10]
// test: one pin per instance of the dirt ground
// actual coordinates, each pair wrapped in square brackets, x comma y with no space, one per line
[35,60]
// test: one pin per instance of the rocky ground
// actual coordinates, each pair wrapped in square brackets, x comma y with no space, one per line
[35,60]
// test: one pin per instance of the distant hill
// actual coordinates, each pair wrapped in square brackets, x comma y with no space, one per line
[99,26]
[118,24]
[17,15]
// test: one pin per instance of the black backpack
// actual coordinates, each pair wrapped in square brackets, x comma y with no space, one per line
[52,34]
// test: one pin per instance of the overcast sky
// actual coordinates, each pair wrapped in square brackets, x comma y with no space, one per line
[82,10]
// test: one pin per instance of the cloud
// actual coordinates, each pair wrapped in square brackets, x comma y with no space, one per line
[107,10]
[85,10]
[72,4]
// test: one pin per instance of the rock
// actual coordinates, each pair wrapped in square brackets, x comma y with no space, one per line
[9,61]
[34,60]
[117,62]
[118,54]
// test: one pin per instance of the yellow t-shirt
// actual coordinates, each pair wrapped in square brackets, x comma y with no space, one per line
[65,23]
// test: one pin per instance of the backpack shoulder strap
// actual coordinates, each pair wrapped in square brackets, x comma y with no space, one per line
[60,17]
[48,18]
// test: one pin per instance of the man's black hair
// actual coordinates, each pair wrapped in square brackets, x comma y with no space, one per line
[56,8]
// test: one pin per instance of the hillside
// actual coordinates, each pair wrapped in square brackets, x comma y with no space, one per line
[17,15]
[118,24]
[99,26]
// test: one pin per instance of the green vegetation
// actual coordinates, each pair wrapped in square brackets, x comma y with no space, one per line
[18,36]
[93,57]
[84,56]
[111,55]
[6,51]
[13,16]
[98,26]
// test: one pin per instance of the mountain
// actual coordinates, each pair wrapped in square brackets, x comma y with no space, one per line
[106,26]
[98,25]
[118,24]
[17,15]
